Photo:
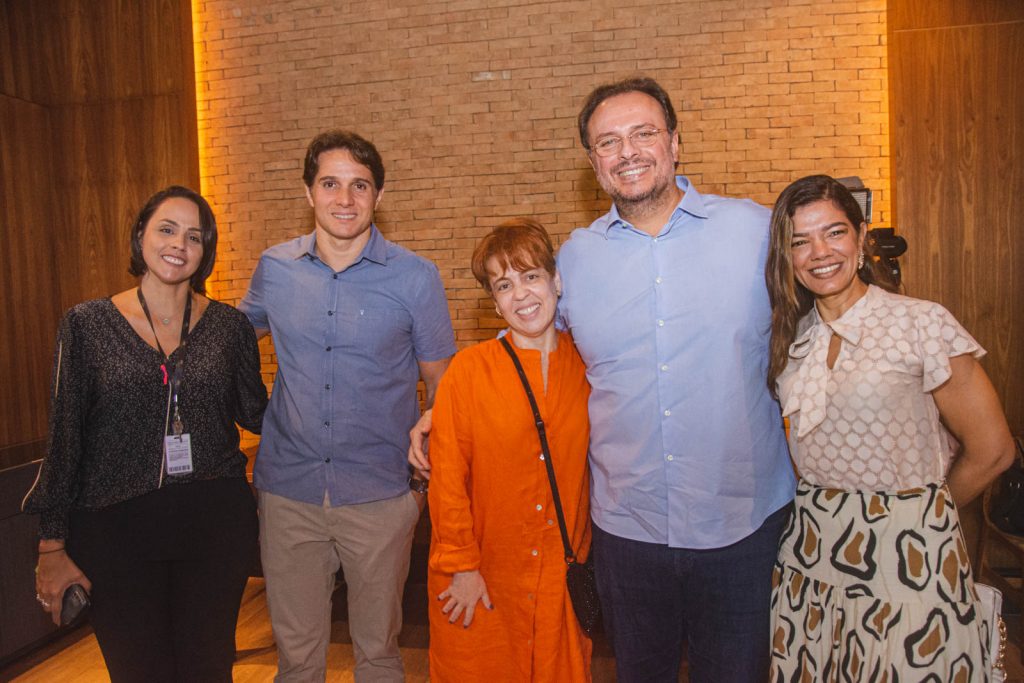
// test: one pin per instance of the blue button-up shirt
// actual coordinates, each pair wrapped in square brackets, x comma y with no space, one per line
[687,444]
[347,348]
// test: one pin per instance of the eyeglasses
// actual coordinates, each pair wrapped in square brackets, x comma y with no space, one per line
[609,146]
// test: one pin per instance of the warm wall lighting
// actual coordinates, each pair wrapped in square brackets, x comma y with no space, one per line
[202,118]
[202,104]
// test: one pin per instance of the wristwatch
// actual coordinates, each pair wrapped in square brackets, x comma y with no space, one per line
[419,485]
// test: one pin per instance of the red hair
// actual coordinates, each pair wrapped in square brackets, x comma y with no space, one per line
[520,243]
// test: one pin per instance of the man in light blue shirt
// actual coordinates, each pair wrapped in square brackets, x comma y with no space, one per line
[666,300]
[356,322]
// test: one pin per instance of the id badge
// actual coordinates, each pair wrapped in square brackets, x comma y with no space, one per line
[178,451]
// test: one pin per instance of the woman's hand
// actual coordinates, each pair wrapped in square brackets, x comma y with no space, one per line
[54,573]
[418,457]
[462,594]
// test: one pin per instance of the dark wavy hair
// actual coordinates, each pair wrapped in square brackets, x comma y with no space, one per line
[647,86]
[791,300]
[361,149]
[207,225]
[522,243]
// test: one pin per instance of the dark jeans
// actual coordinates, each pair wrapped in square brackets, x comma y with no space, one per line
[168,569]
[656,599]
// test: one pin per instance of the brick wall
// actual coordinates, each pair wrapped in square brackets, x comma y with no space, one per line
[472,104]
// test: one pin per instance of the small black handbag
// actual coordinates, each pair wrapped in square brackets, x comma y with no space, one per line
[1007,507]
[579,578]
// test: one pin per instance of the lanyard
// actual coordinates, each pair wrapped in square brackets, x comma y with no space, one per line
[176,376]
[184,326]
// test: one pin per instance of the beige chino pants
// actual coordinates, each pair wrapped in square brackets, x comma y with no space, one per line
[302,547]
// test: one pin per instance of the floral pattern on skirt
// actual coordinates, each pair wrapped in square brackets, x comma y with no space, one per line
[875,587]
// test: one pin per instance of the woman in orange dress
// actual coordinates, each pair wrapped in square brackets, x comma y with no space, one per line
[500,609]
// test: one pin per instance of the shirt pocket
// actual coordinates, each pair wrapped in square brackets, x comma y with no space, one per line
[382,333]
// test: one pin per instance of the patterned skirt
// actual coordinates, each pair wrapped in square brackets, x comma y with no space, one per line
[875,587]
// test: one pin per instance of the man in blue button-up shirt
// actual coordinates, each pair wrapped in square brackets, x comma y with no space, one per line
[356,322]
[665,297]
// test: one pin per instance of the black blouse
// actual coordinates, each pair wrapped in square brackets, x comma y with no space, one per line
[109,409]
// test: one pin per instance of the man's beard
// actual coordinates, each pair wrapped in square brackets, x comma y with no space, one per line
[643,203]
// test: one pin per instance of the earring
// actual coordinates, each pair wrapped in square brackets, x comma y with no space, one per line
[860,260]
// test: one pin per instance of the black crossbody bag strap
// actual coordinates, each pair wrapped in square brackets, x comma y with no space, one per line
[570,557]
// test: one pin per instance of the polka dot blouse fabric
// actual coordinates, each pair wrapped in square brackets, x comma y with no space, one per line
[870,423]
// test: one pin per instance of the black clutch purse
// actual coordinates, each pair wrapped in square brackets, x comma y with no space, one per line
[74,602]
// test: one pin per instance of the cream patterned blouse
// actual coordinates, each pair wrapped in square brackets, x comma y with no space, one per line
[870,423]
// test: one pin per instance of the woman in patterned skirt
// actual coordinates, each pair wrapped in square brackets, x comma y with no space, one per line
[873,580]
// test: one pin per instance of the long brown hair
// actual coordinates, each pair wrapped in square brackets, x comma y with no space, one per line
[791,300]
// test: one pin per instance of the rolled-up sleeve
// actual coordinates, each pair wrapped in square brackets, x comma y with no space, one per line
[454,547]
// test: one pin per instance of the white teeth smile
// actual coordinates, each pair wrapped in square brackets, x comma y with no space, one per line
[528,310]
[826,270]
[174,260]
[633,172]
[344,216]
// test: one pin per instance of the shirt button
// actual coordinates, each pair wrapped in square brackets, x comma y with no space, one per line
[667,413]
[657,280]
[335,276]
[539,507]
[664,368]
[328,348]
[327,424]
[529,596]
[327,460]
[551,522]
[327,387]
[661,323]
[655,240]
[541,456]
[534,552]
[330,312]
[669,457]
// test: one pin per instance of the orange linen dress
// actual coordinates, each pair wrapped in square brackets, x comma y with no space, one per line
[491,509]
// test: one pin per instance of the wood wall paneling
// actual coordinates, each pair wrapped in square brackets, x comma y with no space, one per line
[113,156]
[100,114]
[68,51]
[29,284]
[907,15]
[958,141]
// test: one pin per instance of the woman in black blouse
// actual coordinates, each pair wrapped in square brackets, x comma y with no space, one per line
[142,497]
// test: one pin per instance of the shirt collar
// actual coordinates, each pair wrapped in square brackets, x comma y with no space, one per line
[808,394]
[692,202]
[848,326]
[375,249]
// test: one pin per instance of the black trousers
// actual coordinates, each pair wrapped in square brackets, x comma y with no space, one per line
[168,570]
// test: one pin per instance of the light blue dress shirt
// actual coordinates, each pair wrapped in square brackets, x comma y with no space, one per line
[687,445]
[347,345]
